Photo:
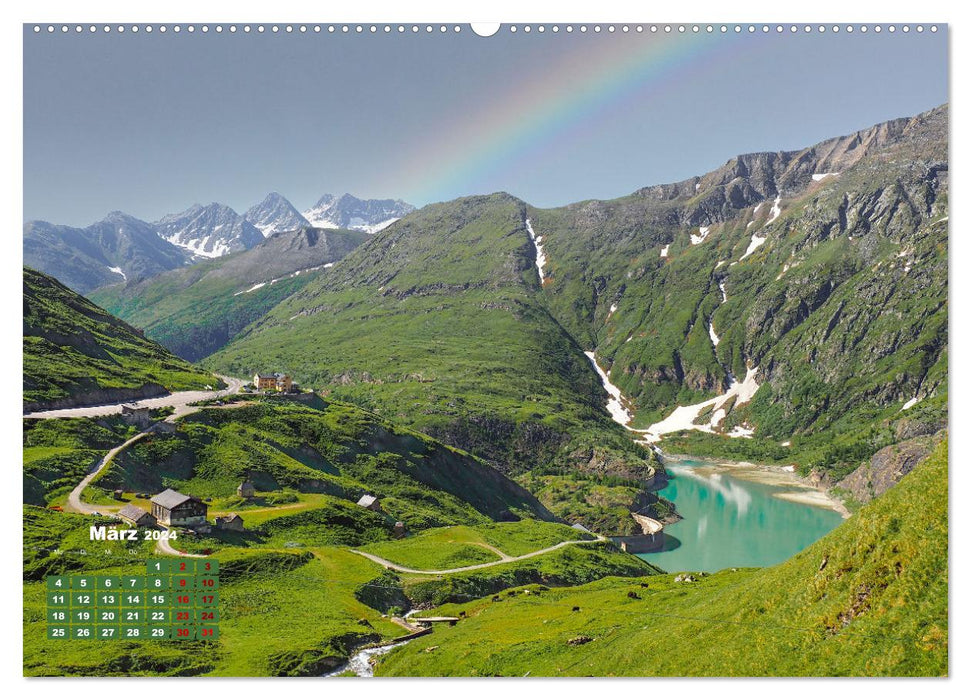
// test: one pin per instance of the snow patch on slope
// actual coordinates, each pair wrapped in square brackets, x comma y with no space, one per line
[703,234]
[615,405]
[118,271]
[819,176]
[540,255]
[683,417]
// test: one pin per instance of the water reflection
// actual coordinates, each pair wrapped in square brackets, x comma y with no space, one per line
[730,522]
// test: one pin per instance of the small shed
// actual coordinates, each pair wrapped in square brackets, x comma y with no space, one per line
[136,415]
[246,489]
[370,502]
[399,529]
[233,521]
[136,516]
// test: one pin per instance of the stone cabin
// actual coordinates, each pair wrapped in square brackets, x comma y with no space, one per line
[370,502]
[136,516]
[229,522]
[176,509]
[136,415]
[246,489]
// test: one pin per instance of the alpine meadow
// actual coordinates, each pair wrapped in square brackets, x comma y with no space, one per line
[697,430]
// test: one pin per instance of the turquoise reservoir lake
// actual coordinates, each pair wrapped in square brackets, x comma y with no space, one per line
[733,522]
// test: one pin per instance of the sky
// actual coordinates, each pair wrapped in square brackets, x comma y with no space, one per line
[151,123]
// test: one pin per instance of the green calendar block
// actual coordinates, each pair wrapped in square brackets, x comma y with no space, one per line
[153,599]
[83,583]
[133,632]
[207,633]
[183,583]
[106,632]
[156,566]
[207,566]
[205,616]
[108,616]
[108,599]
[207,582]
[82,632]
[58,632]
[183,599]
[157,583]
[157,632]
[58,583]
[158,617]
[58,616]
[133,600]
[182,567]
[207,598]
[58,599]
[183,632]
[133,583]
[109,583]
[133,616]
[183,617]
[82,599]
[82,616]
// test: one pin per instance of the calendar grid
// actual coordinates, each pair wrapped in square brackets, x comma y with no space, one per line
[176,599]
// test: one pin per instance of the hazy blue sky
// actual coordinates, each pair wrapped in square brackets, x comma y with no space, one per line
[152,123]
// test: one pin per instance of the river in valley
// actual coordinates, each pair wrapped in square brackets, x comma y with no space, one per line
[730,521]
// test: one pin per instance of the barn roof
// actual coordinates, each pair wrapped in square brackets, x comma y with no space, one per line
[170,499]
[367,500]
[132,512]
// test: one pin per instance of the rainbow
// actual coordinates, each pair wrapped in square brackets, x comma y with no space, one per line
[599,74]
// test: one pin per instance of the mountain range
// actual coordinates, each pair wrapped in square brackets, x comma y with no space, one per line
[795,301]
[789,307]
[121,248]
[196,310]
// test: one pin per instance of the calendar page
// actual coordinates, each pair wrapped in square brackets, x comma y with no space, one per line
[526,349]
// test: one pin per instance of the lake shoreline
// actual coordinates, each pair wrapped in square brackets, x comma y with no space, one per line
[772,475]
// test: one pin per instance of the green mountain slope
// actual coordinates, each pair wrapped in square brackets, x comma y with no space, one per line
[869,599]
[77,353]
[437,322]
[822,272]
[337,451]
[194,311]
[842,306]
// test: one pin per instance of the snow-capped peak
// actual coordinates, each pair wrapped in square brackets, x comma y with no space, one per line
[209,231]
[274,214]
[347,211]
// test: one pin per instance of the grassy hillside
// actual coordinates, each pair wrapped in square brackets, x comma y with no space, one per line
[330,449]
[870,598]
[57,454]
[75,352]
[270,624]
[436,322]
[194,311]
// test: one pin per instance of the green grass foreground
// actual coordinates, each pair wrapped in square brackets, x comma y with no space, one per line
[869,599]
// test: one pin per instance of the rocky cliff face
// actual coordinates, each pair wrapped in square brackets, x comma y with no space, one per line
[886,468]
[826,268]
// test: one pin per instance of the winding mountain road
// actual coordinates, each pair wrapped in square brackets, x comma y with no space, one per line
[504,560]
[178,400]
